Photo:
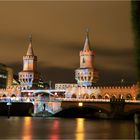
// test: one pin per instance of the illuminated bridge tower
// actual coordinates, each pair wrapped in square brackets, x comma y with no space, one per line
[29,77]
[86,75]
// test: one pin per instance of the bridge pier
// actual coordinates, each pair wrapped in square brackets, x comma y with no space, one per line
[137,126]
[46,107]
[117,108]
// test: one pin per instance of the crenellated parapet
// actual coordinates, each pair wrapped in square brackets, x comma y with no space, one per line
[87,52]
[103,92]
[11,91]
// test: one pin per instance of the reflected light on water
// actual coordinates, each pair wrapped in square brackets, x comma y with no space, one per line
[80,129]
[55,130]
[27,129]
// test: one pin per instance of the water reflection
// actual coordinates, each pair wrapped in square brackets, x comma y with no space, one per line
[80,129]
[27,128]
[54,134]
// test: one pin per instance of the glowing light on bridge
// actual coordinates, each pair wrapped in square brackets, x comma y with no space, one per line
[80,104]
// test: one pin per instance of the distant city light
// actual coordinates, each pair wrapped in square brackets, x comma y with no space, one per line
[3,76]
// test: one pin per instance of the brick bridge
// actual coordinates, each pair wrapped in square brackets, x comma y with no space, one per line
[114,107]
[53,105]
[117,107]
[57,104]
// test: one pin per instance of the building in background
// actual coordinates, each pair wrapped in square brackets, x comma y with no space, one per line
[6,76]
[29,76]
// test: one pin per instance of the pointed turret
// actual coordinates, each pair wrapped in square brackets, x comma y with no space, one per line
[29,76]
[87,44]
[86,74]
[30,51]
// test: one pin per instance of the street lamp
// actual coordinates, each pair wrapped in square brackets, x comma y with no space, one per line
[50,84]
[8,105]
[122,81]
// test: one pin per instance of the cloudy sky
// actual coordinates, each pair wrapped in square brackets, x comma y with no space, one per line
[58,30]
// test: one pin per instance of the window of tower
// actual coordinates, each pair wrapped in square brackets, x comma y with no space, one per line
[83,60]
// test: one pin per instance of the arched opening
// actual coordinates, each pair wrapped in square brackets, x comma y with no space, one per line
[3,95]
[106,97]
[13,95]
[86,96]
[128,97]
[113,97]
[121,96]
[73,96]
[138,97]
[92,97]
[99,96]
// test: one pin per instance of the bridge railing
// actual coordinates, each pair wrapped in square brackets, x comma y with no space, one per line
[17,99]
[132,101]
[38,99]
[27,99]
[88,100]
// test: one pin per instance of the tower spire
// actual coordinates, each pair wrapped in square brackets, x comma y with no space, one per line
[30,49]
[87,44]
[30,38]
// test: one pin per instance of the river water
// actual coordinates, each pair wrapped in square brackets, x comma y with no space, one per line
[27,128]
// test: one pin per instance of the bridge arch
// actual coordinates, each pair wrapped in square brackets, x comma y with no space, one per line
[42,92]
[130,109]
[132,112]
[86,111]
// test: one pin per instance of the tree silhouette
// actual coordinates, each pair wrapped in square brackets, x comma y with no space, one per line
[135,12]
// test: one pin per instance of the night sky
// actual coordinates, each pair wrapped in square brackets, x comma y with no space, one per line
[58,31]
